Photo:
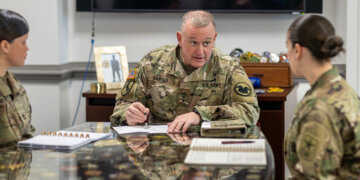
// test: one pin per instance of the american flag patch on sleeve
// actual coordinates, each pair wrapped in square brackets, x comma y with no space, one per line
[132,74]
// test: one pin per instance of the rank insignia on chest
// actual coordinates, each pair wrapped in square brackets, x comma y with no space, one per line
[242,89]
[132,74]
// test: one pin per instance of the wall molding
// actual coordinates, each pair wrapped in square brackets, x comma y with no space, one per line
[61,72]
[76,70]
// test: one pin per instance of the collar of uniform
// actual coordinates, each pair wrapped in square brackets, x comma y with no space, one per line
[324,78]
[205,73]
[5,86]
[175,67]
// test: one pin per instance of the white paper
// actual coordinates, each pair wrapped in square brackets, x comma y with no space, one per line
[151,129]
[206,125]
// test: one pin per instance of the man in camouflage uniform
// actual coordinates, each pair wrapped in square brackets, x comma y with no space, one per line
[162,158]
[184,84]
[324,138]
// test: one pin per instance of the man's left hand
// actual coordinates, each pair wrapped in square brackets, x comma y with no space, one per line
[183,122]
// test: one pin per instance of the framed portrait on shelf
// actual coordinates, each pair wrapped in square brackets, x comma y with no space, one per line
[111,66]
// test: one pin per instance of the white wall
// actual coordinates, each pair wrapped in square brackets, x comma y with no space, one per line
[44,100]
[59,35]
[42,16]
[353,43]
[141,32]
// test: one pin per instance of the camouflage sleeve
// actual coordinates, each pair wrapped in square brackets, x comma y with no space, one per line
[28,133]
[239,102]
[132,91]
[319,147]
[7,134]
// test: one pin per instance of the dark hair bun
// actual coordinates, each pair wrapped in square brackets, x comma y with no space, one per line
[332,46]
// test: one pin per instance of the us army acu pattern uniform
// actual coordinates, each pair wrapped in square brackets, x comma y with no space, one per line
[323,141]
[164,159]
[15,111]
[218,90]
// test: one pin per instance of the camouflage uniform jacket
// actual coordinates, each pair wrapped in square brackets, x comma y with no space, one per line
[323,141]
[218,90]
[15,111]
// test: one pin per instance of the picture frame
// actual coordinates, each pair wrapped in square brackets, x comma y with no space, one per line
[111,66]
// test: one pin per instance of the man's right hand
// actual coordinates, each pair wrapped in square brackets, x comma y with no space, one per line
[136,113]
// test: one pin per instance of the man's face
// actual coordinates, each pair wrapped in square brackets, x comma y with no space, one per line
[196,44]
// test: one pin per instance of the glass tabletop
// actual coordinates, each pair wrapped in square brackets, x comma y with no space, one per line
[132,156]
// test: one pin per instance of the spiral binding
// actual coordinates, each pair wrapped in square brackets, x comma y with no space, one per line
[65,134]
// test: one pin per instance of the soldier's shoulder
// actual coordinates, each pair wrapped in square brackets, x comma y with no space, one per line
[12,76]
[162,53]
[337,90]
[164,49]
[222,56]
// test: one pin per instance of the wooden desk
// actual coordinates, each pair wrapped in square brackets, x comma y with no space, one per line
[99,107]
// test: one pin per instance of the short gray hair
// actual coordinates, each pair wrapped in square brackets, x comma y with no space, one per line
[198,18]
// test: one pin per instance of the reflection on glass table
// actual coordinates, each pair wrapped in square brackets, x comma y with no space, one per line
[132,156]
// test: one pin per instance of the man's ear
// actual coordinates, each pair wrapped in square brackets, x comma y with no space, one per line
[298,49]
[215,36]
[4,46]
[179,37]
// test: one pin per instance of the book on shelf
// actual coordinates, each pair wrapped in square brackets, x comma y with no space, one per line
[62,140]
[225,151]
[223,128]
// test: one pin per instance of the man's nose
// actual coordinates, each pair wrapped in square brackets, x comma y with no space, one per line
[200,50]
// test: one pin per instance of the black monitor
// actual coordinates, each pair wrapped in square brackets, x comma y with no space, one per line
[221,6]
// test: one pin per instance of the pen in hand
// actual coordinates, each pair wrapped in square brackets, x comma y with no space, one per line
[147,118]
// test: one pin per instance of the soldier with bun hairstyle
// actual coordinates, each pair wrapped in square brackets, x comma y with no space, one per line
[323,141]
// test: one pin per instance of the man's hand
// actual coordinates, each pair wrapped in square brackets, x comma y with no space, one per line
[183,122]
[136,113]
[137,143]
[182,138]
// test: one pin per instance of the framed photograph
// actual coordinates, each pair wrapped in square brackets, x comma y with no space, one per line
[111,66]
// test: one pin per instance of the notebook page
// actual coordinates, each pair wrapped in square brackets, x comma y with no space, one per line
[221,151]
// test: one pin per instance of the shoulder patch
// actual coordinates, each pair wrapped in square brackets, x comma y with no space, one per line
[309,147]
[132,74]
[242,89]
[313,140]
[127,87]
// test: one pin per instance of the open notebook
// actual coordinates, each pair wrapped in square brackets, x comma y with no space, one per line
[223,151]
[62,140]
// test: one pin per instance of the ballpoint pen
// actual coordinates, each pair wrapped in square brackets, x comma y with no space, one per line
[236,142]
[147,118]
